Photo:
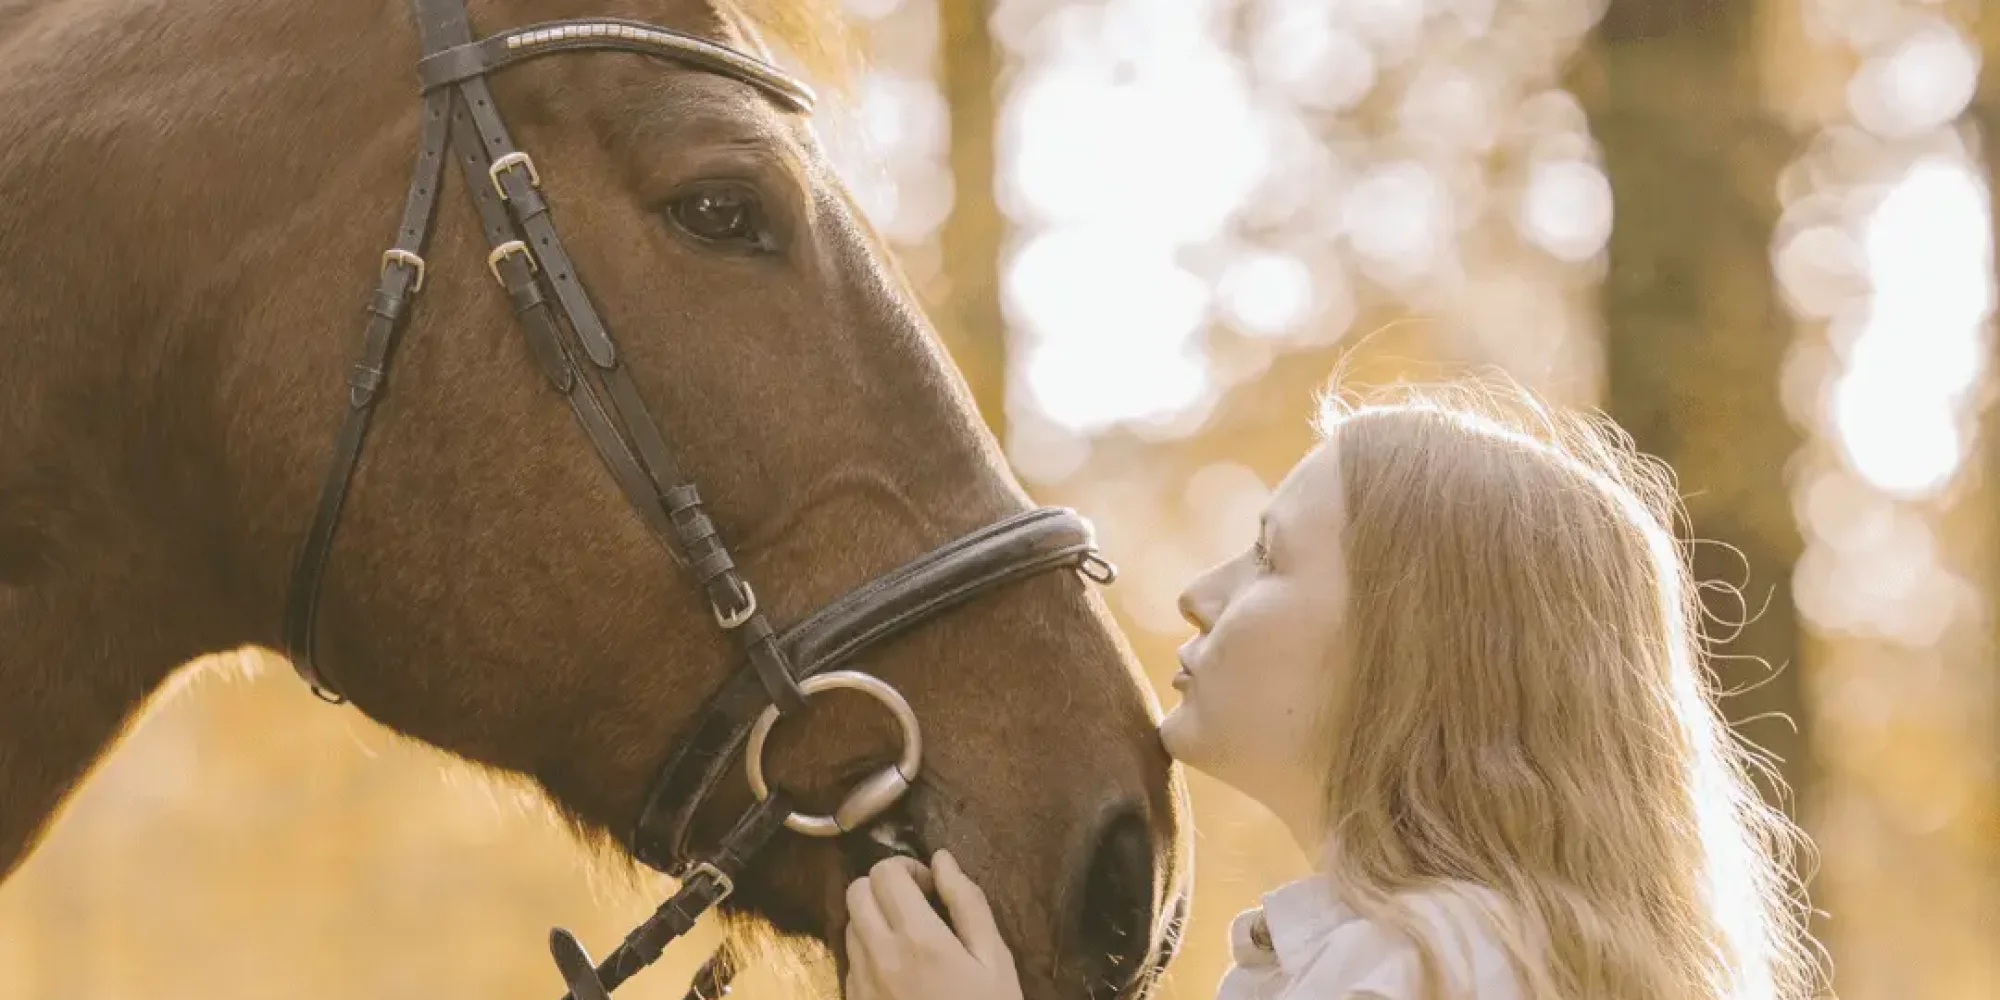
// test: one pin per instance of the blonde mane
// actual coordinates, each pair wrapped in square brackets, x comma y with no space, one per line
[817,34]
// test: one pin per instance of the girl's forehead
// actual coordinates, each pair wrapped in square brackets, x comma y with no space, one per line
[1309,497]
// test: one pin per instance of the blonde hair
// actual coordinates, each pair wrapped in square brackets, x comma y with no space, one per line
[1526,709]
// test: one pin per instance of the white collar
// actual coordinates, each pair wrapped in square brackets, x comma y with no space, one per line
[1293,919]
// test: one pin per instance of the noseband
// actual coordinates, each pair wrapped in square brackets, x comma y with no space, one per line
[579,359]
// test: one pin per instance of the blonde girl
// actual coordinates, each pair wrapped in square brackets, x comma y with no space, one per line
[1463,663]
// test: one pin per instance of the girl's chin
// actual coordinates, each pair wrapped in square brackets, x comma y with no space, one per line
[1177,732]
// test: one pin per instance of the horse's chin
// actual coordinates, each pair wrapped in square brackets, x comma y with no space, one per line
[888,837]
[893,836]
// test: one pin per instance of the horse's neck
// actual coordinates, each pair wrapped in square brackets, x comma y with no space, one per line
[96,609]
[75,668]
[95,612]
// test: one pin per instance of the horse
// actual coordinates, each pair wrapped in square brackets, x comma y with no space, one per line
[198,194]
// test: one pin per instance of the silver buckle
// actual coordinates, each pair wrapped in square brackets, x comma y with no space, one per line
[735,619]
[728,884]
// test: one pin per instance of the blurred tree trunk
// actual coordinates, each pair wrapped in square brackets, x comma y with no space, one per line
[973,327]
[1695,331]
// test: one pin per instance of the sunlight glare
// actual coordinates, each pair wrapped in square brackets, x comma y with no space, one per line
[1393,24]
[1109,322]
[1398,214]
[1449,109]
[1302,50]
[1881,579]
[1820,270]
[1138,137]
[1171,153]
[1566,209]
[1266,294]
[1920,349]
[1923,83]
[871,10]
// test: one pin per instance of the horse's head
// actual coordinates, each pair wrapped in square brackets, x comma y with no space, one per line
[491,587]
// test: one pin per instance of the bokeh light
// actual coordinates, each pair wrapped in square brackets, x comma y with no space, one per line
[1898,406]
[1886,256]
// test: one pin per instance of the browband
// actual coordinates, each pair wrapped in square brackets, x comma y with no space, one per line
[463,62]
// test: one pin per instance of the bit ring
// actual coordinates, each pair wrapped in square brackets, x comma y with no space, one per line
[872,795]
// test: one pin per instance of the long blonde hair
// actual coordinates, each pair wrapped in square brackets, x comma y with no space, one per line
[1527,709]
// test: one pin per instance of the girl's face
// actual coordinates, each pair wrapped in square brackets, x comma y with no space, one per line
[1258,674]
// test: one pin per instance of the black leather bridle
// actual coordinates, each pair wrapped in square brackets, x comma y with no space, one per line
[578,357]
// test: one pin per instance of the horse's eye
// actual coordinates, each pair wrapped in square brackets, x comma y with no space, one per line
[719,214]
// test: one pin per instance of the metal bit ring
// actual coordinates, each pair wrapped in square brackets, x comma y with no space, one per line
[873,794]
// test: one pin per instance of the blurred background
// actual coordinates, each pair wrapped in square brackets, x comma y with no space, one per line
[1758,233]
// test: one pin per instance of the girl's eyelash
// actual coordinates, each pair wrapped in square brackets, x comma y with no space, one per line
[1262,553]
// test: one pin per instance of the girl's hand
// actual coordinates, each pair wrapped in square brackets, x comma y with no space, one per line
[898,949]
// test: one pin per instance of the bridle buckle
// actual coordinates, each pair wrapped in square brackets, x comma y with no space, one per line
[509,161]
[716,875]
[398,255]
[502,252]
[731,620]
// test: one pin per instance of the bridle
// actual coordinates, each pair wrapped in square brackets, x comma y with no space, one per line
[580,360]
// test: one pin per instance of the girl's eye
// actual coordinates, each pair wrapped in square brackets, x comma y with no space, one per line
[1262,553]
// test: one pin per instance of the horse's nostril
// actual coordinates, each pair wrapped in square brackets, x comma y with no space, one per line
[1116,918]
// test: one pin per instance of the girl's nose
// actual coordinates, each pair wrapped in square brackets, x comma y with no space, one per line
[1189,613]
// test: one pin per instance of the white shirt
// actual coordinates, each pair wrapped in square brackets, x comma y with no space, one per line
[1303,943]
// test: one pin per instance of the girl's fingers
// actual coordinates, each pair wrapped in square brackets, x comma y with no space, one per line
[901,898]
[861,984]
[865,920]
[911,867]
[971,914]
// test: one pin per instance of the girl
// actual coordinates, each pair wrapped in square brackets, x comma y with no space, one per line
[1462,663]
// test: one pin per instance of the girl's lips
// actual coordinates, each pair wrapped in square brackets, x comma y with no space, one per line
[1182,677]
